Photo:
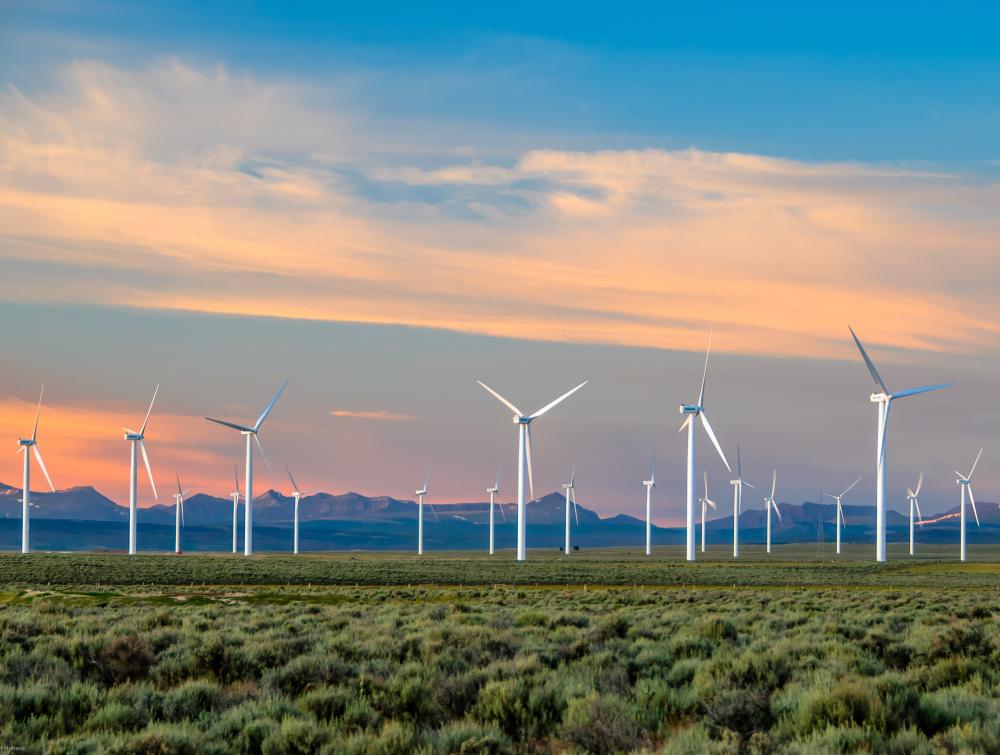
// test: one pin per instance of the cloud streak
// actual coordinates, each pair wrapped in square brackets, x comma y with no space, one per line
[378,414]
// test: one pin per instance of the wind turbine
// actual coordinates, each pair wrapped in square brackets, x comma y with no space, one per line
[178,514]
[523,423]
[493,491]
[252,435]
[697,410]
[296,494]
[650,484]
[840,510]
[570,495]
[236,495]
[705,503]
[770,503]
[24,444]
[965,483]
[738,485]
[135,439]
[884,399]
[911,497]
[420,512]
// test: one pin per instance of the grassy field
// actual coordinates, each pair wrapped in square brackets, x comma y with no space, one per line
[606,651]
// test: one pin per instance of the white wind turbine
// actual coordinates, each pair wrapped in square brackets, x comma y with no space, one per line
[770,503]
[965,483]
[296,494]
[178,514]
[705,503]
[911,497]
[523,423]
[252,435]
[420,512]
[840,510]
[738,484]
[24,444]
[650,484]
[697,410]
[236,495]
[135,439]
[493,492]
[570,496]
[884,399]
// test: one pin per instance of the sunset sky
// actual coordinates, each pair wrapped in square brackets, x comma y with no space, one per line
[384,203]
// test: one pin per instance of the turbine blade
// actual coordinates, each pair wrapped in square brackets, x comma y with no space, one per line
[270,472]
[776,509]
[181,492]
[496,485]
[149,470]
[747,484]
[685,423]
[563,397]
[572,495]
[295,488]
[236,475]
[715,441]
[531,479]
[972,500]
[885,430]
[975,463]
[501,399]
[868,361]
[706,483]
[704,374]
[502,512]
[572,477]
[434,512]
[920,482]
[34,432]
[925,389]
[849,487]
[38,458]
[427,477]
[739,464]
[920,517]
[241,428]
[652,477]
[263,416]
[180,502]
[774,482]
[710,502]
[149,410]
[828,495]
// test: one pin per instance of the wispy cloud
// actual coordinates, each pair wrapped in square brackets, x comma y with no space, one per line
[378,414]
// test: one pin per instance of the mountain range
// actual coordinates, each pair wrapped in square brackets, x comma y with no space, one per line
[80,518]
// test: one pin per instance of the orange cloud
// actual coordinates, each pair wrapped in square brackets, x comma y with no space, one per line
[380,414]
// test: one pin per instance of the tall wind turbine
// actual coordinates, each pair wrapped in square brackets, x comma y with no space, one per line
[296,494]
[570,496]
[25,444]
[252,435]
[911,497]
[770,503]
[493,491]
[135,439]
[523,423]
[738,485]
[705,503]
[420,512]
[650,484]
[965,483]
[236,495]
[884,399]
[840,510]
[178,514]
[697,410]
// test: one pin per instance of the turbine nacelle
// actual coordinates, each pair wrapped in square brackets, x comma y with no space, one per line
[690,409]
[878,398]
[25,442]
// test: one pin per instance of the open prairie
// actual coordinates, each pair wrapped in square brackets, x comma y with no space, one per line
[605,651]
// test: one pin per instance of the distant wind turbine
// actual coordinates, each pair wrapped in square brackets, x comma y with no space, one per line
[738,484]
[705,503]
[420,512]
[840,511]
[493,491]
[252,435]
[236,495]
[523,423]
[570,496]
[884,399]
[178,514]
[296,494]
[25,444]
[965,483]
[912,498]
[650,484]
[697,410]
[770,503]
[136,439]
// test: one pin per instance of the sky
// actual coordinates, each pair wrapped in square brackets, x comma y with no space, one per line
[385,202]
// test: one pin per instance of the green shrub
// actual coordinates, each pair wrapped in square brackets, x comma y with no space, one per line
[295,736]
[601,725]
[126,659]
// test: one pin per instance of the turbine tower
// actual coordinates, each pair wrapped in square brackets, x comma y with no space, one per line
[252,435]
[840,510]
[650,484]
[738,485]
[770,503]
[178,514]
[911,497]
[420,512]
[236,495]
[965,483]
[705,503]
[570,496]
[25,444]
[523,423]
[296,494]
[884,398]
[135,439]
[697,410]
[493,491]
